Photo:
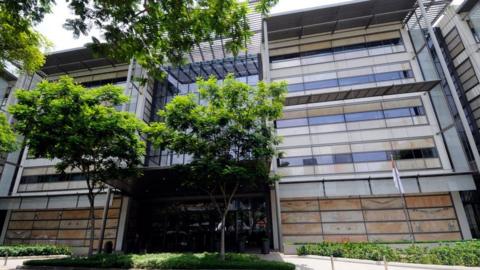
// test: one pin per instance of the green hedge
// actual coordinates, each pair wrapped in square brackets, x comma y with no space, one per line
[465,253]
[167,261]
[33,250]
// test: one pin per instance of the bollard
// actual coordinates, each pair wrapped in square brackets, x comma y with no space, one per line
[331,261]
[385,263]
[6,259]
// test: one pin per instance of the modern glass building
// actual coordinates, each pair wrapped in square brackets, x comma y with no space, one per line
[366,86]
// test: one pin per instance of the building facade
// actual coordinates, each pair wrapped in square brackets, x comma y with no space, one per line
[365,88]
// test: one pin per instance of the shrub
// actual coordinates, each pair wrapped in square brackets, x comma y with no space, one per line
[465,253]
[167,261]
[367,251]
[33,250]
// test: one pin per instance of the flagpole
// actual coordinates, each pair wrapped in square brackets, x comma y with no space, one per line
[404,203]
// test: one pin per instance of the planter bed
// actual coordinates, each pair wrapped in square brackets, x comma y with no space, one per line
[161,261]
[33,250]
[464,253]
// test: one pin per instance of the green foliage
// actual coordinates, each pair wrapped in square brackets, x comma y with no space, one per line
[227,133]
[366,251]
[33,250]
[19,42]
[465,253]
[168,261]
[155,33]
[81,127]
[8,141]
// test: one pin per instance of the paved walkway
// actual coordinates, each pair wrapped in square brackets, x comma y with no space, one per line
[13,262]
[324,263]
[309,263]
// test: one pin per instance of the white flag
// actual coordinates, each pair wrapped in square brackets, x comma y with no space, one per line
[396,177]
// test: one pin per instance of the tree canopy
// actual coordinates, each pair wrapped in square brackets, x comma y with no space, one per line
[79,126]
[20,44]
[227,133]
[8,140]
[83,129]
[154,32]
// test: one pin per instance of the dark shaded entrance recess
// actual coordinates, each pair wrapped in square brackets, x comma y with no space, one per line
[166,217]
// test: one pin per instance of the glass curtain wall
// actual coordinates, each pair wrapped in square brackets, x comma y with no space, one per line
[453,134]
[181,81]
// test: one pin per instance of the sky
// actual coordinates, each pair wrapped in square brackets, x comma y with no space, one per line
[62,39]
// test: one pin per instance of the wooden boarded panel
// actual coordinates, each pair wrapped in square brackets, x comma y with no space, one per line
[382,203]
[389,237]
[344,228]
[46,224]
[435,226]
[387,227]
[61,226]
[41,215]
[311,205]
[44,234]
[340,204]
[438,236]
[432,213]
[345,238]
[72,234]
[428,201]
[21,225]
[342,216]
[299,229]
[384,215]
[370,219]
[296,217]
[22,215]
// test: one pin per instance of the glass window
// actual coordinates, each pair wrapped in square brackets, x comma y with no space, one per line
[417,111]
[321,84]
[323,52]
[429,153]
[296,161]
[356,80]
[370,156]
[295,87]
[404,154]
[362,116]
[326,119]
[343,158]
[388,76]
[291,123]
[393,113]
[325,159]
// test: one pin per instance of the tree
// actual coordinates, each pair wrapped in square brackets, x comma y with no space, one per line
[228,135]
[20,44]
[82,128]
[8,141]
[154,32]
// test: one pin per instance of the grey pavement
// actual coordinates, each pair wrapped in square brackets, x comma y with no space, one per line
[304,263]
[324,263]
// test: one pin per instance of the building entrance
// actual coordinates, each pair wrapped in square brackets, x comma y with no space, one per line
[179,225]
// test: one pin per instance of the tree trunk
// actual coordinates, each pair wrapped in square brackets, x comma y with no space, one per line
[91,199]
[222,238]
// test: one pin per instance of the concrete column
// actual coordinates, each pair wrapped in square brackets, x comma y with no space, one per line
[273,203]
[122,223]
[462,217]
[5,226]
